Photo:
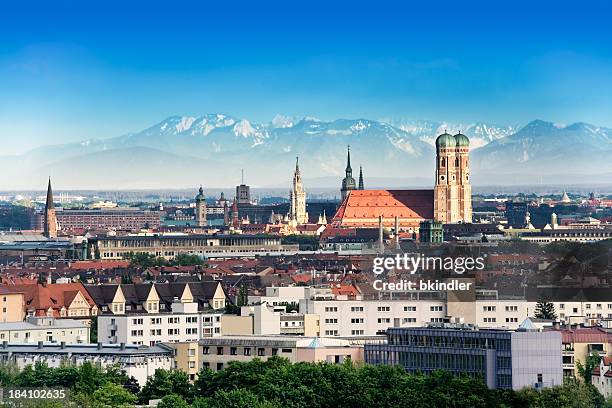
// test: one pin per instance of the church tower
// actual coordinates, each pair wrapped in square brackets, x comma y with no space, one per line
[453,192]
[360,178]
[348,183]
[50,230]
[200,208]
[297,198]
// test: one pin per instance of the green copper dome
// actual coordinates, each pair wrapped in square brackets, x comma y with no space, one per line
[200,196]
[462,140]
[445,140]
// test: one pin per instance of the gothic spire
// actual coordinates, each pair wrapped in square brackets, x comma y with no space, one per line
[49,204]
[349,170]
[360,178]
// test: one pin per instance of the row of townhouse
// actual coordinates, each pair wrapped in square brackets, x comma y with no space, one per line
[149,314]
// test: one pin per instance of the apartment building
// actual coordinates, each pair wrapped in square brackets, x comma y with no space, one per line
[216,352]
[502,359]
[47,329]
[578,342]
[139,362]
[265,319]
[149,314]
[371,317]
[12,306]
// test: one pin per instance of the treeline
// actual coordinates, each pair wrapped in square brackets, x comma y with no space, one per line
[276,383]
[145,260]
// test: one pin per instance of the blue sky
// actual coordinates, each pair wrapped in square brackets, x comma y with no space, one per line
[71,71]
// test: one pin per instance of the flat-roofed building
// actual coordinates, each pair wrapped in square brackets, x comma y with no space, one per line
[118,218]
[170,245]
[216,352]
[139,362]
[47,329]
[502,359]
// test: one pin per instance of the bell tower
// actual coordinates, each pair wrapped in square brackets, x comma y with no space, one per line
[452,192]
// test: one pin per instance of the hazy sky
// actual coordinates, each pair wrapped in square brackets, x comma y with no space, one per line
[71,71]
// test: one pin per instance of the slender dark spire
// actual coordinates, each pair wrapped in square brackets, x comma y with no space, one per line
[349,170]
[361,178]
[49,204]
[297,164]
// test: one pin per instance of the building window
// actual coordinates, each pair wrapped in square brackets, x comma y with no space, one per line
[436,308]
[219,351]
[409,308]
[384,308]
[233,351]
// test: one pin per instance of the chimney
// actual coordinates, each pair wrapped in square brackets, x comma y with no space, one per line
[380,235]
[99,345]
[397,233]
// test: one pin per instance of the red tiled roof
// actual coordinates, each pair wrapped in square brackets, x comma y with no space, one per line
[55,296]
[586,335]
[303,278]
[99,264]
[348,290]
[411,206]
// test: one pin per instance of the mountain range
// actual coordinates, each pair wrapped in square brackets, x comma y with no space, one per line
[212,149]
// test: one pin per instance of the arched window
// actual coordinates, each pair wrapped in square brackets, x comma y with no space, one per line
[456,162]
[442,162]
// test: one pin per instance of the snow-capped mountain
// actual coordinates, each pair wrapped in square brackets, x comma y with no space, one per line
[181,151]
[480,133]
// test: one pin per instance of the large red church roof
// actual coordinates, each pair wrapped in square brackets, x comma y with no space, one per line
[371,204]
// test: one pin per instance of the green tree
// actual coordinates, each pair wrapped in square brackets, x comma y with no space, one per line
[93,330]
[165,382]
[545,310]
[586,370]
[112,395]
[187,260]
[172,401]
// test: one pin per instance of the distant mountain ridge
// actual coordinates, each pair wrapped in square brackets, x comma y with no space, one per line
[183,151]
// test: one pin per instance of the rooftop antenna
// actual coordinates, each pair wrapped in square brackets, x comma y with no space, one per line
[242,171]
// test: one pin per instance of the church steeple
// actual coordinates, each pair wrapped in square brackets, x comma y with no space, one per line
[348,183]
[349,170]
[49,203]
[50,227]
[360,178]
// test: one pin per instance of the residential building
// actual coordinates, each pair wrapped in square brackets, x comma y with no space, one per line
[502,359]
[216,352]
[12,306]
[58,300]
[152,313]
[371,317]
[139,362]
[47,329]
[579,342]
[264,319]
[601,377]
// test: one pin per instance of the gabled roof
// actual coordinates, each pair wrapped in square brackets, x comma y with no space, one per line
[202,292]
[370,204]
[52,296]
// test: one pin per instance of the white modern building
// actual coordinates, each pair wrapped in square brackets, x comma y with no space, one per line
[47,329]
[139,362]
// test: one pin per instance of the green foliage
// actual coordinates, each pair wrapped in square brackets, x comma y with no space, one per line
[172,401]
[305,242]
[187,260]
[586,370]
[145,260]
[277,383]
[545,310]
[165,382]
[112,395]
[93,330]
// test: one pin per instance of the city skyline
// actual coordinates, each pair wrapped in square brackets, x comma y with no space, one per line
[77,72]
